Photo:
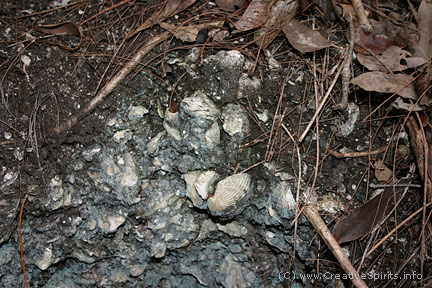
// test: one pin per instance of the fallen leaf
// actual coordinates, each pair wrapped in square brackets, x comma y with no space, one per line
[170,8]
[230,5]
[361,220]
[412,107]
[281,12]
[382,172]
[375,44]
[425,29]
[303,38]
[394,59]
[386,83]
[189,33]
[65,28]
[255,15]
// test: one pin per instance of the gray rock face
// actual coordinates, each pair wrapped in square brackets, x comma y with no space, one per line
[157,204]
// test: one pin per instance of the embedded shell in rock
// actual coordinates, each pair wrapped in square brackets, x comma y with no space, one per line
[200,106]
[235,120]
[230,194]
[204,183]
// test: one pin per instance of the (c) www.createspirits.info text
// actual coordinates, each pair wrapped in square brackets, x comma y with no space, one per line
[335,276]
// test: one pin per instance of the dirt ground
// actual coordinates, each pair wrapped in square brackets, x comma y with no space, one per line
[43,85]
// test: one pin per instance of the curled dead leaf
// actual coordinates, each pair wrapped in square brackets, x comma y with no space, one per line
[303,38]
[394,58]
[373,43]
[62,29]
[412,107]
[255,15]
[170,8]
[382,172]
[230,5]
[189,33]
[281,12]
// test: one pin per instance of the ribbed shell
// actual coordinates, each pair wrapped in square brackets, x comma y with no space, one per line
[230,193]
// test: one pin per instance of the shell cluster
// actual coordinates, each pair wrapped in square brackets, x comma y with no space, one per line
[230,194]
[199,185]
[196,123]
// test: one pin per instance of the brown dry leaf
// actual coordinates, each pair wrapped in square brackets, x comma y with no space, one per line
[394,58]
[303,38]
[425,29]
[255,15]
[189,33]
[230,5]
[382,172]
[361,220]
[375,44]
[281,12]
[386,83]
[65,28]
[399,103]
[171,8]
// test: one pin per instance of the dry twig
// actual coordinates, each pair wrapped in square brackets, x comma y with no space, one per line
[361,14]
[312,215]
[356,154]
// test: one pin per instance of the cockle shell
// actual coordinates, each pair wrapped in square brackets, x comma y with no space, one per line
[174,133]
[191,193]
[230,194]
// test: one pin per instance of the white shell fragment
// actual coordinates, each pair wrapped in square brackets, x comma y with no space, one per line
[199,185]
[174,133]
[191,193]
[247,84]
[227,59]
[137,112]
[212,136]
[204,183]
[153,146]
[235,120]
[200,106]
[230,193]
[170,121]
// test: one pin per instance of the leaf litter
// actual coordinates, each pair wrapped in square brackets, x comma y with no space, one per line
[377,51]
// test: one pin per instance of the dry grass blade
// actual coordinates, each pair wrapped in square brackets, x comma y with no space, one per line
[324,100]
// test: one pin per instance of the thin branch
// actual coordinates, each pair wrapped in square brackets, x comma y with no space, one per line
[314,218]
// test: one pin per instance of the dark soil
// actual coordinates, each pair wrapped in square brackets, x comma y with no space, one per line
[57,83]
